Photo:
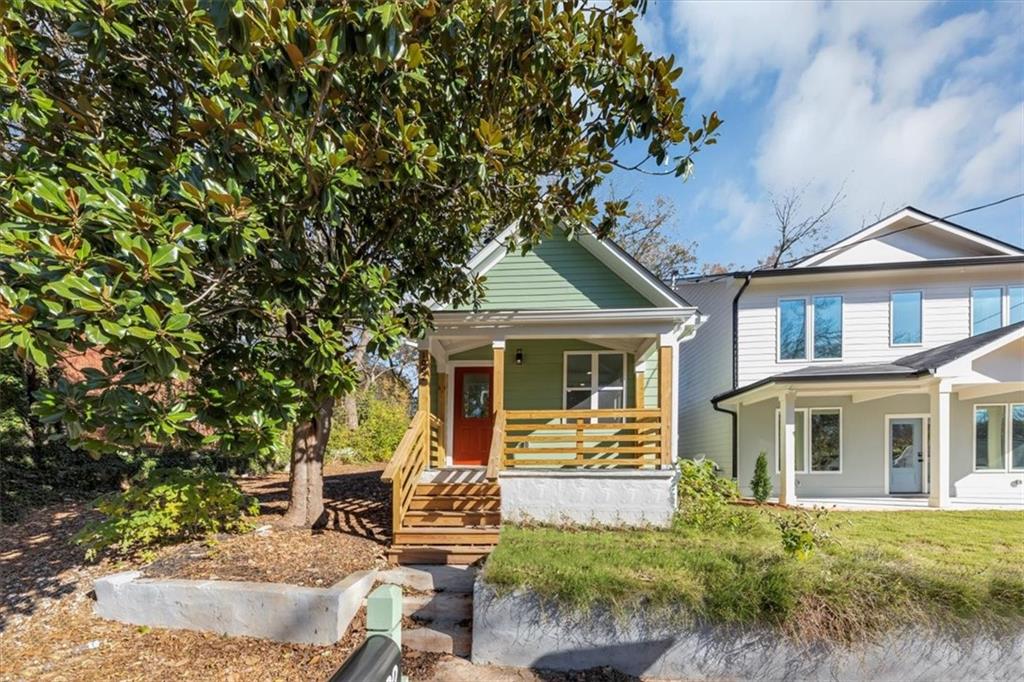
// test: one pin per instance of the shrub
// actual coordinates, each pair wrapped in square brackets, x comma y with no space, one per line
[382,423]
[167,506]
[704,496]
[802,530]
[761,484]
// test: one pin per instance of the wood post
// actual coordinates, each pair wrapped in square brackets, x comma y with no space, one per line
[442,406]
[639,376]
[665,375]
[498,387]
[424,400]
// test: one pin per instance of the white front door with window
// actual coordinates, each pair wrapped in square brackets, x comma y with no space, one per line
[906,454]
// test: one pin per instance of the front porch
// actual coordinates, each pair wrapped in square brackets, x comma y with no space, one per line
[942,428]
[528,418]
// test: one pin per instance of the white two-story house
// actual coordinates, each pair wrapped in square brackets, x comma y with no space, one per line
[888,364]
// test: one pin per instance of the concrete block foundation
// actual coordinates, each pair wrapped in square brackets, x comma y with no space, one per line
[519,630]
[603,497]
[283,613]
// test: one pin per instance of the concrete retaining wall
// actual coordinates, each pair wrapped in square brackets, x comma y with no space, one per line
[517,630]
[625,498]
[284,613]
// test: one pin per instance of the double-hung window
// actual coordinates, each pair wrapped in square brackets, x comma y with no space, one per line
[999,437]
[819,440]
[594,380]
[1015,304]
[905,321]
[818,319]
[986,309]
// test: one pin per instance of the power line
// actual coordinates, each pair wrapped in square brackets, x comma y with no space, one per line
[837,247]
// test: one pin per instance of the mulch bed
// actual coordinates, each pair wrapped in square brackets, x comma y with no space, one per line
[353,539]
[48,630]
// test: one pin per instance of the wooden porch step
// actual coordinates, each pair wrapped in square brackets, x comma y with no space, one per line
[485,535]
[452,555]
[455,503]
[458,489]
[435,518]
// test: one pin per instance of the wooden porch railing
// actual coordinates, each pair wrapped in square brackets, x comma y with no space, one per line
[580,438]
[495,458]
[422,444]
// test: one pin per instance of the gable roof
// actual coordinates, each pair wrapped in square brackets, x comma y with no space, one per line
[909,366]
[610,254]
[962,241]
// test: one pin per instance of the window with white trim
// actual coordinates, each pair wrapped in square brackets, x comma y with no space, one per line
[905,319]
[594,380]
[819,440]
[986,309]
[999,437]
[810,328]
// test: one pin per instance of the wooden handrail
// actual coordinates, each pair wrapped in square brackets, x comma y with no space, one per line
[404,447]
[496,456]
[629,412]
[628,437]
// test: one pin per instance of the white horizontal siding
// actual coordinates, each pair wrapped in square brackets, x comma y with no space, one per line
[705,369]
[946,312]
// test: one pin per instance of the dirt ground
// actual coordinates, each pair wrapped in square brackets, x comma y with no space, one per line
[48,632]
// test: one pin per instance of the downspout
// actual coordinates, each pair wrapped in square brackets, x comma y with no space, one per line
[735,373]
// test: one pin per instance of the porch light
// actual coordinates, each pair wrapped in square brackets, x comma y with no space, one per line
[519,356]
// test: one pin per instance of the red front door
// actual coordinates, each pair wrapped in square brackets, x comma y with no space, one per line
[474,420]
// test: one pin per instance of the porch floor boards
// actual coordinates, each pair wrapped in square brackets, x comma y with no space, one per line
[448,523]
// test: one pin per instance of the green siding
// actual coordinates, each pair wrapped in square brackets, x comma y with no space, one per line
[557,274]
[537,383]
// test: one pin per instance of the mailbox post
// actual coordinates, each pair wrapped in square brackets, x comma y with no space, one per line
[379,658]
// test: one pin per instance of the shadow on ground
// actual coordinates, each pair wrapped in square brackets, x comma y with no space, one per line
[36,554]
[356,501]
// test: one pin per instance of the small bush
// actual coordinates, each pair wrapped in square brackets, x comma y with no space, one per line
[704,496]
[802,530]
[165,507]
[382,423]
[761,484]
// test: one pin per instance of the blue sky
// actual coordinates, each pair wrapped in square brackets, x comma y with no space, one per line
[896,103]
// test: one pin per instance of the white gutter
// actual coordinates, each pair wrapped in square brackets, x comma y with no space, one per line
[459,318]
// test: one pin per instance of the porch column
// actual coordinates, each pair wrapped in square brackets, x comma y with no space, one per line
[666,346]
[423,398]
[938,445]
[639,374]
[423,371]
[787,464]
[498,387]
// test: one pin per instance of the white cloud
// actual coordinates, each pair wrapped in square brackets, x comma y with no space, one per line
[883,99]
[728,44]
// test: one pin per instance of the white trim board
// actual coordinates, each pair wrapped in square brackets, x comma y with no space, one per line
[929,221]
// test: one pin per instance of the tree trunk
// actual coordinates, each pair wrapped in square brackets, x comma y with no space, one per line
[349,401]
[306,482]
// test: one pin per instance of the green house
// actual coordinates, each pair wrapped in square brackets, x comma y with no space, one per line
[559,387]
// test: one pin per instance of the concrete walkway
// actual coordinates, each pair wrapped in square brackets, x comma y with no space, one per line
[907,502]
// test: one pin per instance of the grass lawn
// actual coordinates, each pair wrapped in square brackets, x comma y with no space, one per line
[879,570]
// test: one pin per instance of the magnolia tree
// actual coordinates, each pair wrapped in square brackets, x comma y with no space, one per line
[215,196]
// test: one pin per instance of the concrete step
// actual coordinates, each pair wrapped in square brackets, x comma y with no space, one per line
[430,578]
[442,608]
[457,642]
